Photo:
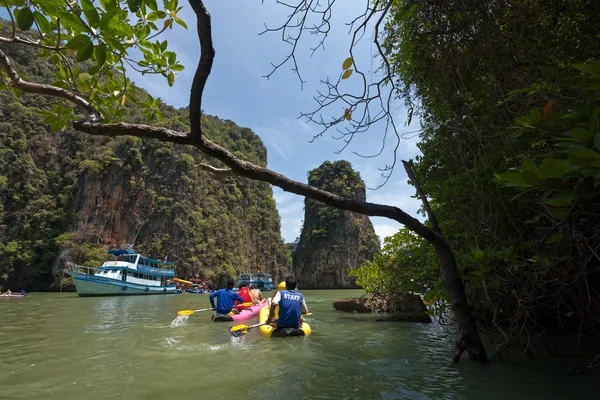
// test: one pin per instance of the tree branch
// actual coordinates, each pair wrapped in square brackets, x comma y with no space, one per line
[408,166]
[49,90]
[217,171]
[258,173]
[207,55]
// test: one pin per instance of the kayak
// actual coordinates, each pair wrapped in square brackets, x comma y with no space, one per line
[11,296]
[245,313]
[271,331]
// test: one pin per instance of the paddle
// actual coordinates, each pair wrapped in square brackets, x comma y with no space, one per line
[185,313]
[241,330]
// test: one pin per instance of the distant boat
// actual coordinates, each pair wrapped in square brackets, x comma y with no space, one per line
[130,274]
[262,281]
[11,296]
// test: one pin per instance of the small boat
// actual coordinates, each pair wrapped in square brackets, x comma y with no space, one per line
[262,281]
[271,331]
[12,296]
[245,313]
[130,274]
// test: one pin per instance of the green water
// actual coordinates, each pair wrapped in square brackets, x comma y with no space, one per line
[55,346]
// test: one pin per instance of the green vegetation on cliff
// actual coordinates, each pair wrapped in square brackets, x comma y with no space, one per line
[69,194]
[333,241]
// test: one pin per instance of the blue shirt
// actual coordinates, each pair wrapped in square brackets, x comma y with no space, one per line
[225,300]
[290,309]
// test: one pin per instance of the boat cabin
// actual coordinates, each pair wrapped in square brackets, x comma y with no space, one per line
[133,268]
[262,281]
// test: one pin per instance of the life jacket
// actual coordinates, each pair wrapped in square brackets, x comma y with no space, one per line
[245,293]
[290,309]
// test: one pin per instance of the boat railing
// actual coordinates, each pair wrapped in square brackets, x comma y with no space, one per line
[80,268]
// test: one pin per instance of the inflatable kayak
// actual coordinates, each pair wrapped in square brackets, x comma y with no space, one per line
[271,331]
[245,313]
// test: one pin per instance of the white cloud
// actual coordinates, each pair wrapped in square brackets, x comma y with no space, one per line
[385,228]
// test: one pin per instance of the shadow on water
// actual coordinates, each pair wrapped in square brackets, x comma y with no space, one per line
[66,347]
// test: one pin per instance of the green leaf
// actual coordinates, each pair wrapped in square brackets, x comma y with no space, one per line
[134,5]
[90,12]
[171,78]
[180,22]
[530,177]
[24,18]
[152,17]
[177,67]
[107,18]
[558,201]
[163,46]
[152,5]
[86,53]
[529,165]
[72,21]
[100,52]
[79,42]
[42,22]
[583,152]
[587,68]
[580,134]
[558,168]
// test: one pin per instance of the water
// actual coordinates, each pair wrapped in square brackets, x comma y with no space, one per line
[55,346]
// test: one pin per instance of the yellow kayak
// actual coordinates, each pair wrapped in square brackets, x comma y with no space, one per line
[270,330]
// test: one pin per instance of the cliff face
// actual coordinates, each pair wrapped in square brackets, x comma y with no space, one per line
[333,241]
[72,195]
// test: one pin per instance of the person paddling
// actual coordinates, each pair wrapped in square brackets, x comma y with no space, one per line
[226,298]
[291,306]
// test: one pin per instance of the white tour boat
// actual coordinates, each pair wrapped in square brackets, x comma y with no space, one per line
[130,274]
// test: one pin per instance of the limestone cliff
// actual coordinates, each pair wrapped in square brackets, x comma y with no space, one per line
[333,241]
[69,195]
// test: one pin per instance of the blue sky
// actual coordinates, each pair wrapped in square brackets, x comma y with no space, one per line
[237,90]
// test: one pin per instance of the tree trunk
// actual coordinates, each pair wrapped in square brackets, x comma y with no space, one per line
[468,336]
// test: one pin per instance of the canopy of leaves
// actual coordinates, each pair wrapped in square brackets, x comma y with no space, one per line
[524,237]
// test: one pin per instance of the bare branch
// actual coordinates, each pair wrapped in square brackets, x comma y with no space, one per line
[123,129]
[49,90]
[408,166]
[207,55]
[217,171]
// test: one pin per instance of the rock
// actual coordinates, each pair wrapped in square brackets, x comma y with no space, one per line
[333,241]
[406,307]
[353,305]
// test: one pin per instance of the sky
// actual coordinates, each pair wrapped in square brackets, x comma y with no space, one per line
[237,90]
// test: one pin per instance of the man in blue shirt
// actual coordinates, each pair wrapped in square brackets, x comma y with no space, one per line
[226,298]
[291,306]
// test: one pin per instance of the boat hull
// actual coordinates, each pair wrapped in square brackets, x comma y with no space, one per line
[93,286]
[244,314]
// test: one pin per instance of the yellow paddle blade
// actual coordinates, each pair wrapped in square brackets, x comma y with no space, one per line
[240,327]
[239,330]
[185,313]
